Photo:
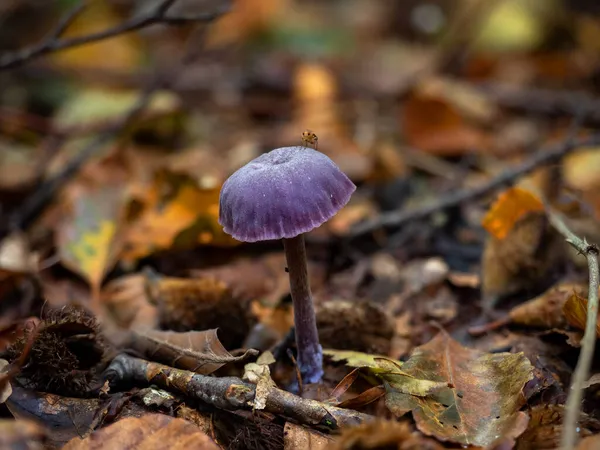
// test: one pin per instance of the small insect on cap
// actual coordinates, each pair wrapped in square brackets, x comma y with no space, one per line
[281,194]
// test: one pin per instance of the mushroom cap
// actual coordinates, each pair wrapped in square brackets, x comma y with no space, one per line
[281,194]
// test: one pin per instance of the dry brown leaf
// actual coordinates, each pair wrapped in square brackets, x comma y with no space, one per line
[381,434]
[546,310]
[545,428]
[151,432]
[523,260]
[21,434]
[589,443]
[483,401]
[5,387]
[198,351]
[433,125]
[126,302]
[296,437]
[575,311]
[510,207]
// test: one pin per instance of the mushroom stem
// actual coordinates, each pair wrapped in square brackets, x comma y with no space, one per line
[310,353]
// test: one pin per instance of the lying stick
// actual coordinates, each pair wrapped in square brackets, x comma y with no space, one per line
[231,393]
[580,376]
[546,155]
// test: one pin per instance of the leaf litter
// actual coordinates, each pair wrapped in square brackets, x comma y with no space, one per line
[449,307]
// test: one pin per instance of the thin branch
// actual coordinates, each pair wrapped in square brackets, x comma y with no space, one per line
[53,43]
[232,393]
[545,156]
[573,407]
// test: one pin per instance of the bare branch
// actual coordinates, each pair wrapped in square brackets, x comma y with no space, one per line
[546,155]
[53,43]
[573,407]
[232,393]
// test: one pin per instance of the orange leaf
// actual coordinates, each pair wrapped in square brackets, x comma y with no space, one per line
[511,206]
[575,311]
[433,125]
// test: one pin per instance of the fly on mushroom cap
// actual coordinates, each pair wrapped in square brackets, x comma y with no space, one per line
[281,194]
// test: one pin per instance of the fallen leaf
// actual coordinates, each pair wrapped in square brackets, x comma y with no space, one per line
[152,431]
[546,426]
[5,387]
[88,242]
[589,443]
[546,310]
[125,52]
[593,380]
[127,305]
[198,351]
[21,434]
[481,401]
[431,124]
[177,214]
[510,207]
[296,437]
[576,311]
[380,434]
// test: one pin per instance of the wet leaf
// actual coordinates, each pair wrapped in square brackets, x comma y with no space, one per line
[575,311]
[152,431]
[87,236]
[483,396]
[198,351]
[510,207]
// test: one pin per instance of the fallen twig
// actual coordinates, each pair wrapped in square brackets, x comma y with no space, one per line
[231,393]
[544,156]
[53,42]
[590,251]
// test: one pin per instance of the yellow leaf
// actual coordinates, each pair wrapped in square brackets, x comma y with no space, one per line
[187,218]
[121,53]
[575,311]
[87,236]
[511,206]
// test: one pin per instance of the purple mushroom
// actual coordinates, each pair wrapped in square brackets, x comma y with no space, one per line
[281,195]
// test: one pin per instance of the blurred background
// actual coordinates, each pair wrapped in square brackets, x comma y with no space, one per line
[113,152]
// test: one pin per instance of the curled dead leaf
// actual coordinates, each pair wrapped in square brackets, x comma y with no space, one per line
[576,311]
[198,351]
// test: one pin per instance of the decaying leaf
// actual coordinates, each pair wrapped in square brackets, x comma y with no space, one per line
[546,310]
[198,351]
[381,434]
[5,387]
[388,371]
[296,437]
[87,238]
[523,249]
[152,431]
[575,311]
[482,397]
[545,428]
[21,434]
